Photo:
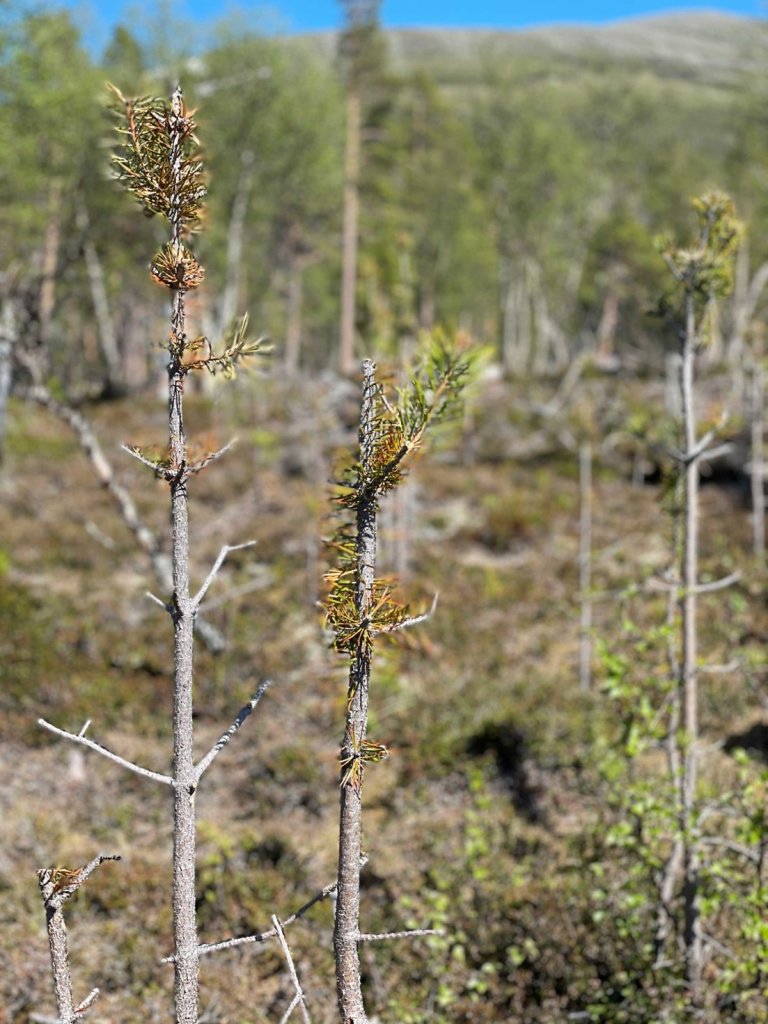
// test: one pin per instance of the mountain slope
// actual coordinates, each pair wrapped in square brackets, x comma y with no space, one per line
[709,46]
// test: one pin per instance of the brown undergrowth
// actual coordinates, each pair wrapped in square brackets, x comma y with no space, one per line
[487,805]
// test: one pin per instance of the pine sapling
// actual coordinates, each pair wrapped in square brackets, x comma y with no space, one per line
[360,607]
[157,162]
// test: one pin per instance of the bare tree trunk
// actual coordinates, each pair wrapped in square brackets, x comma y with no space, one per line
[359,608]
[688,679]
[585,566]
[107,336]
[405,513]
[294,301]
[347,363]
[427,305]
[156,162]
[672,384]
[347,925]
[184,780]
[539,363]
[298,262]
[674,862]
[516,324]
[746,296]
[236,240]
[218,316]
[7,340]
[58,947]
[396,523]
[757,474]
[49,263]
[557,343]
[740,311]
[606,331]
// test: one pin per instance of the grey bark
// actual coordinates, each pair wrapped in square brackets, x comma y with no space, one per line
[746,296]
[57,885]
[757,474]
[184,781]
[606,331]
[688,678]
[672,384]
[7,340]
[674,862]
[236,239]
[59,948]
[49,264]
[517,325]
[294,302]
[346,935]
[217,324]
[298,262]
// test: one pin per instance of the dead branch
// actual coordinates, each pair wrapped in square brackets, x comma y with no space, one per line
[411,933]
[214,947]
[92,745]
[224,739]
[300,999]
[57,885]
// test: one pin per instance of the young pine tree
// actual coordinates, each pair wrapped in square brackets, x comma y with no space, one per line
[360,607]
[157,162]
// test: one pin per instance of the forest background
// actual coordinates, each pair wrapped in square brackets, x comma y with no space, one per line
[511,187]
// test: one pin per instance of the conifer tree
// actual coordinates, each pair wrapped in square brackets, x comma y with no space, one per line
[158,163]
[361,607]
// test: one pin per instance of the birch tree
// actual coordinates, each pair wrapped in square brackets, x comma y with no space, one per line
[701,273]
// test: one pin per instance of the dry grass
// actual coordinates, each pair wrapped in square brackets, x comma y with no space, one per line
[79,639]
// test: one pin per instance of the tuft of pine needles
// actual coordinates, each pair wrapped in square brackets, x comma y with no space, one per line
[147,162]
[703,271]
[362,752]
[432,395]
[176,268]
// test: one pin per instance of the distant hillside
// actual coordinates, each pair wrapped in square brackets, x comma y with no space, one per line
[709,46]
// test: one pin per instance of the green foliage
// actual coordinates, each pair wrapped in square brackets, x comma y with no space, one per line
[637,829]
[704,271]
[361,47]
[235,348]
[462,188]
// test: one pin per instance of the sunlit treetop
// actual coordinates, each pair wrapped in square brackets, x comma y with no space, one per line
[156,160]
[706,267]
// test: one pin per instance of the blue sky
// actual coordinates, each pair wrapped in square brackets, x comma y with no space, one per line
[309,15]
